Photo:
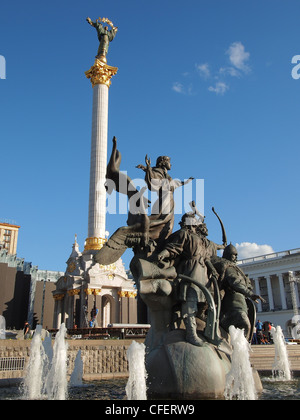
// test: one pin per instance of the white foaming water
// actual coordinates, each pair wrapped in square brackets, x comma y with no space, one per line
[136,388]
[240,383]
[46,373]
[76,376]
[47,344]
[2,328]
[34,377]
[281,367]
[56,381]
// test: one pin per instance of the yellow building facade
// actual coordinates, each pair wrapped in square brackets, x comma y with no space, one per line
[9,237]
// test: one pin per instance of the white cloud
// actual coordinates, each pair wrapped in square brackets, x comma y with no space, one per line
[218,81]
[249,250]
[220,88]
[178,87]
[231,71]
[183,89]
[203,70]
[238,56]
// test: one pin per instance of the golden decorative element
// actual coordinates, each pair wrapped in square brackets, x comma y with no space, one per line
[73,292]
[88,291]
[101,73]
[71,267]
[95,292]
[106,20]
[123,293]
[110,267]
[59,296]
[131,294]
[94,243]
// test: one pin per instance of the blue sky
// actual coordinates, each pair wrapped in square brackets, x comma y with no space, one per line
[207,82]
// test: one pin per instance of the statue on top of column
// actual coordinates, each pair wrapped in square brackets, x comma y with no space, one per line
[105,36]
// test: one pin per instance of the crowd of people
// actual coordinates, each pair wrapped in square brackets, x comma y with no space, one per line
[262,333]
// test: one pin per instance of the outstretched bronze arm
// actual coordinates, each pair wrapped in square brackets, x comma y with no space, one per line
[89,20]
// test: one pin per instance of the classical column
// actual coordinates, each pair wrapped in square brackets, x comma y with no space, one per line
[257,292]
[58,310]
[100,74]
[83,306]
[270,294]
[72,296]
[66,307]
[282,291]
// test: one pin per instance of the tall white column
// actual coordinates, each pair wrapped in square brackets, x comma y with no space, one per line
[97,196]
[282,291]
[100,75]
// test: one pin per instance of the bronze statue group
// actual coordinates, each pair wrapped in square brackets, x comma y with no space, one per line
[186,259]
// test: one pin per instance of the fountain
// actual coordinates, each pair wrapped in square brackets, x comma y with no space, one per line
[76,376]
[35,373]
[47,344]
[281,368]
[56,381]
[2,328]
[46,373]
[136,386]
[240,383]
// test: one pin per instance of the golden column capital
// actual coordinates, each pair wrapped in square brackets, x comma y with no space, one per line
[88,291]
[127,293]
[73,292]
[131,294]
[121,293]
[59,296]
[101,73]
[94,243]
[95,292]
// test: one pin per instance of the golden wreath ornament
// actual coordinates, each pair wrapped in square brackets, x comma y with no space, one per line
[106,20]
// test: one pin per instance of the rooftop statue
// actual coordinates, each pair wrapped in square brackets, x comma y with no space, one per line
[105,36]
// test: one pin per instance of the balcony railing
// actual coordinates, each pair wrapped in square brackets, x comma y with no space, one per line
[265,257]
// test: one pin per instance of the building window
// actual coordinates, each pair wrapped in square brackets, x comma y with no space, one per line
[7,238]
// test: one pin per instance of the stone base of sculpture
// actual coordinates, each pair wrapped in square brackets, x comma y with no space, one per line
[180,370]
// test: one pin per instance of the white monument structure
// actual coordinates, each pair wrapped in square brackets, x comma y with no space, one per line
[89,292]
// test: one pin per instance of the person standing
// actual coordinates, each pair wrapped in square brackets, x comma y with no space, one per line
[259,334]
[26,330]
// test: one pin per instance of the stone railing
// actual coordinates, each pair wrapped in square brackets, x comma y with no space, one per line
[273,255]
[102,359]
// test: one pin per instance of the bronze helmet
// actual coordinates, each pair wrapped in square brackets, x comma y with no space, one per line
[229,251]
